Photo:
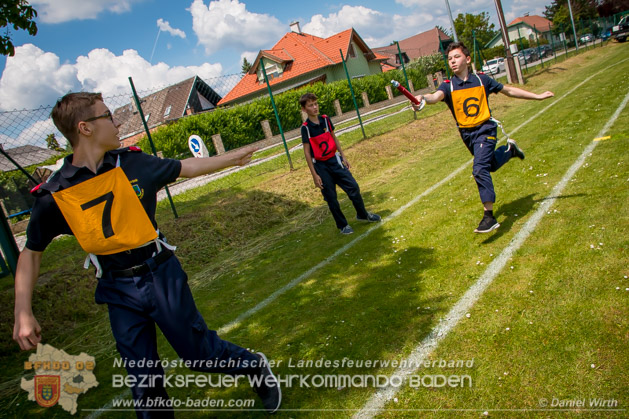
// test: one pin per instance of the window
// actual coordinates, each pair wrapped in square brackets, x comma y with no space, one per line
[146,118]
[167,111]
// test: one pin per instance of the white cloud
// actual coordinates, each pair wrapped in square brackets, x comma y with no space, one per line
[164,26]
[227,23]
[249,55]
[34,78]
[376,28]
[58,11]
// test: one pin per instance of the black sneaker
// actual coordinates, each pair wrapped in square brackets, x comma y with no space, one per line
[487,224]
[269,388]
[515,150]
[347,230]
[371,217]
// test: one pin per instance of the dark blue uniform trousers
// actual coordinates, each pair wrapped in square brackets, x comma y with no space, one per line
[162,297]
[481,142]
[332,174]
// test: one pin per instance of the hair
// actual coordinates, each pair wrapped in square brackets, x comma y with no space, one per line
[72,109]
[303,100]
[458,45]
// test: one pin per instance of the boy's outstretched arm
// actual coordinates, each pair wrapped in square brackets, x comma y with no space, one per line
[430,99]
[26,329]
[516,92]
[195,166]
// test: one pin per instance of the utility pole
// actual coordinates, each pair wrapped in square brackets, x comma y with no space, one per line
[451,22]
[505,40]
[574,31]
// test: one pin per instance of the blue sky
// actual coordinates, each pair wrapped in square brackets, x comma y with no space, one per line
[96,44]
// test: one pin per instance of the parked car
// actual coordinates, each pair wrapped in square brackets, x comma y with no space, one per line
[530,55]
[606,34]
[588,37]
[620,31]
[495,66]
[545,50]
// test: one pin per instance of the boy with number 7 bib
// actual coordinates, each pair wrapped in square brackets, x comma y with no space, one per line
[328,164]
[106,197]
[466,94]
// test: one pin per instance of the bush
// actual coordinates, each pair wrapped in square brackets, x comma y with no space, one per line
[240,125]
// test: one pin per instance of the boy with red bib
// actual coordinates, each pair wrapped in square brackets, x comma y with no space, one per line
[328,164]
[466,94]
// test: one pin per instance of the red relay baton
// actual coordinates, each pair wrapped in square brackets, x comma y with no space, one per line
[408,94]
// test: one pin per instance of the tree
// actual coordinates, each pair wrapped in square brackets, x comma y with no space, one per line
[246,66]
[52,143]
[608,8]
[559,13]
[469,26]
[19,14]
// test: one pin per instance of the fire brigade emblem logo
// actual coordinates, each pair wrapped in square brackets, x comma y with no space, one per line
[47,389]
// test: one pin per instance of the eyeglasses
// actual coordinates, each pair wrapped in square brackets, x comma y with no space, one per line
[105,115]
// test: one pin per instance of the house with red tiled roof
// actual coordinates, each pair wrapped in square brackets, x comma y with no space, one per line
[187,97]
[528,27]
[420,45]
[299,59]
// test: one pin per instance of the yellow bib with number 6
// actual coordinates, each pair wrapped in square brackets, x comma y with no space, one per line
[105,214]
[470,106]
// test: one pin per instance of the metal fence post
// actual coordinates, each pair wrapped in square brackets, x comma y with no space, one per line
[408,86]
[7,241]
[351,89]
[148,134]
[277,115]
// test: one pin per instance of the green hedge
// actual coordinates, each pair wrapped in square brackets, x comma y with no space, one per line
[240,125]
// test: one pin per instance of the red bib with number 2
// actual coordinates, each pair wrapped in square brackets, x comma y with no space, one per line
[323,146]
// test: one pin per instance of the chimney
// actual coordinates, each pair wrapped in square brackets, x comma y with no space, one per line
[294,27]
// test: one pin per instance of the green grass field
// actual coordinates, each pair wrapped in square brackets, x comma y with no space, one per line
[550,329]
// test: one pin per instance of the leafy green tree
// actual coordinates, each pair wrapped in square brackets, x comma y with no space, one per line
[608,8]
[559,13]
[246,66]
[20,15]
[469,25]
[52,143]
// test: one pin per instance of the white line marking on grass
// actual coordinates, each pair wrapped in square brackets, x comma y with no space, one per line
[231,325]
[376,402]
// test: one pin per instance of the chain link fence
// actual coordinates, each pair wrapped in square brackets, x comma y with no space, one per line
[225,112]
[234,110]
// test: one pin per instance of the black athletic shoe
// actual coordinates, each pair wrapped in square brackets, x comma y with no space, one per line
[487,224]
[269,388]
[371,217]
[515,150]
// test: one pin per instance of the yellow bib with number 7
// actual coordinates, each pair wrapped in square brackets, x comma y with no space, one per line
[105,214]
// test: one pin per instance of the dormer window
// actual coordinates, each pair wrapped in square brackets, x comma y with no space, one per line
[273,70]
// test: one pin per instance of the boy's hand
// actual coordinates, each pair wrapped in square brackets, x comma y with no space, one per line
[419,107]
[243,156]
[26,331]
[546,95]
[346,163]
[317,181]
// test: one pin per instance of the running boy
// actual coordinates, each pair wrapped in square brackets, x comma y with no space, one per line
[106,197]
[466,95]
[328,164]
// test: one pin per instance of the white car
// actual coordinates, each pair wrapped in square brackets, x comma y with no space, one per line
[495,66]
